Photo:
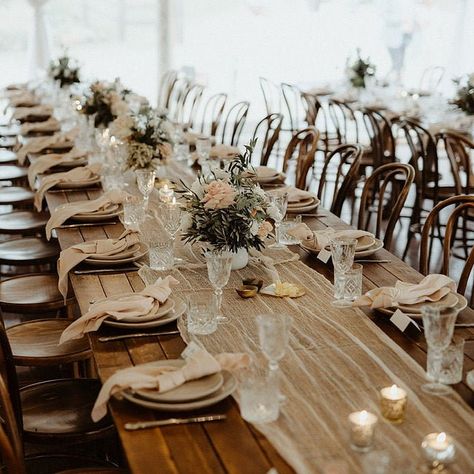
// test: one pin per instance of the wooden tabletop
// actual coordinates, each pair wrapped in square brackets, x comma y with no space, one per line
[233,445]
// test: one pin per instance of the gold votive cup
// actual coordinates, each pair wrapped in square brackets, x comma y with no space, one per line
[393,403]
[362,425]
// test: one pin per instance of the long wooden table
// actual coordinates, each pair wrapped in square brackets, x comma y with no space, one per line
[233,445]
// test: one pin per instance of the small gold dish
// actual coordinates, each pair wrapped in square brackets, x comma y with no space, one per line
[253,282]
[247,291]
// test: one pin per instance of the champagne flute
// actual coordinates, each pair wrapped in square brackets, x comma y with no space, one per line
[170,214]
[219,265]
[280,202]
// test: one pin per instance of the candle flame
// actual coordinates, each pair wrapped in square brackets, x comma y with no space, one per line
[441,438]
[363,416]
[393,390]
[165,187]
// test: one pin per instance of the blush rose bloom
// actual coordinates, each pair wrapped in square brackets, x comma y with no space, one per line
[264,229]
[218,195]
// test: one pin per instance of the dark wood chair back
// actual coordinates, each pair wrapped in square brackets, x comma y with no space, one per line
[463,205]
[385,192]
[189,104]
[267,132]
[234,123]
[212,114]
[167,83]
[343,166]
[302,148]
[344,121]
[271,95]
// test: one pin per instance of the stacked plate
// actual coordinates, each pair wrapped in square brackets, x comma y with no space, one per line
[264,174]
[108,212]
[86,183]
[192,395]
[129,255]
[168,312]
[305,202]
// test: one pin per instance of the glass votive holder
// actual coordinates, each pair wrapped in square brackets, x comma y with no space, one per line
[451,363]
[161,255]
[438,448]
[259,401]
[133,212]
[348,285]
[393,403]
[202,313]
[362,425]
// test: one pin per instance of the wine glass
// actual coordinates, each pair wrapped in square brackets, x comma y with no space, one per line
[219,265]
[274,334]
[170,214]
[280,202]
[145,182]
[343,253]
[438,327]
[203,148]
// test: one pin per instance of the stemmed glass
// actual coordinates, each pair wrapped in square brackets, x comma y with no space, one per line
[343,253]
[274,334]
[145,183]
[170,214]
[438,327]
[281,203]
[219,265]
[203,149]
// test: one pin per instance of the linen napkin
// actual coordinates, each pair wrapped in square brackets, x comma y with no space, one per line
[322,238]
[301,232]
[50,125]
[431,288]
[24,99]
[144,303]
[198,363]
[39,144]
[223,151]
[45,162]
[295,195]
[65,211]
[25,113]
[76,175]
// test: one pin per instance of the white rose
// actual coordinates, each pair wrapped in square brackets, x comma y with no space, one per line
[197,189]
[186,222]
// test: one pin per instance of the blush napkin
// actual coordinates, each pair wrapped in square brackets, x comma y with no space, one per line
[76,175]
[45,162]
[143,303]
[198,363]
[65,211]
[431,288]
[322,238]
[75,254]
[39,144]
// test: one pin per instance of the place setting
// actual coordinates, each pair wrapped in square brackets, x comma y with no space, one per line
[266,176]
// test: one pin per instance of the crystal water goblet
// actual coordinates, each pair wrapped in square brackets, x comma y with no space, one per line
[343,252]
[438,326]
[145,183]
[170,215]
[219,265]
[280,202]
[274,334]
[203,148]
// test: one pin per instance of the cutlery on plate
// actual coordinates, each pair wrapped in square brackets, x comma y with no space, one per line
[139,334]
[98,271]
[371,261]
[141,425]
[85,224]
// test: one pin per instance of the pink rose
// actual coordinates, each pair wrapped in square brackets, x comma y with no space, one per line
[218,195]
[264,229]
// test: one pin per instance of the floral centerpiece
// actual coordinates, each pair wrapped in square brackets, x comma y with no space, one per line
[227,210]
[359,70]
[105,101]
[465,94]
[64,70]
[147,135]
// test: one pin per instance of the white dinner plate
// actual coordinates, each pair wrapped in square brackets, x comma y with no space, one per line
[163,310]
[303,202]
[173,315]
[307,208]
[377,245]
[190,391]
[128,252]
[142,251]
[229,385]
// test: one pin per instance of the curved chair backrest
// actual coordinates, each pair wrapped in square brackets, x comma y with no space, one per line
[344,120]
[234,123]
[303,146]
[271,95]
[294,109]
[463,205]
[176,97]
[343,163]
[431,78]
[167,83]
[212,114]
[189,104]
[267,132]
[386,189]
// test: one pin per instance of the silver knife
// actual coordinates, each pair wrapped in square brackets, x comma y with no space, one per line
[85,224]
[141,425]
[99,271]
[372,261]
[140,334]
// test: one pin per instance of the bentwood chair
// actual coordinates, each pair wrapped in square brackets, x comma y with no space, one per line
[267,133]
[212,114]
[297,110]
[301,151]
[189,104]
[463,205]
[271,95]
[384,194]
[167,83]
[176,97]
[343,166]
[233,124]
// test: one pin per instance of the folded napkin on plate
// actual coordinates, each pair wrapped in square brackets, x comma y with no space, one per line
[74,255]
[39,144]
[223,151]
[45,162]
[265,172]
[295,195]
[24,99]
[76,175]
[50,125]
[301,232]
[431,288]
[23,113]
[198,363]
[65,211]
[144,303]
[322,238]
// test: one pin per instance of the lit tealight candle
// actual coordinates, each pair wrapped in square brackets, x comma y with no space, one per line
[438,448]
[166,194]
[393,403]
[362,430]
